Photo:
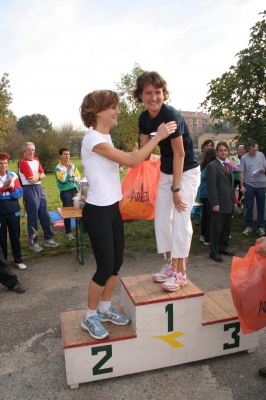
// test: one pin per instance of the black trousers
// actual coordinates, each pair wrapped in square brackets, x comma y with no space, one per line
[7,278]
[66,196]
[11,223]
[106,232]
[220,228]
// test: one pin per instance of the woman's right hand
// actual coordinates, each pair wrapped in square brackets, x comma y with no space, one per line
[165,130]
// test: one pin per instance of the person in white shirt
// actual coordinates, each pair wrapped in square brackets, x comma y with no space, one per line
[101,215]
[31,174]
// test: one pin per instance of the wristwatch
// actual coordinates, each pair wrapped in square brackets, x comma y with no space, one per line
[174,189]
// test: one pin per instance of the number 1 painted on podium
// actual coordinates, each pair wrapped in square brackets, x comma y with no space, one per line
[170,310]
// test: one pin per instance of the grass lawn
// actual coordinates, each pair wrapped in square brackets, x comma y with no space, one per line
[139,235]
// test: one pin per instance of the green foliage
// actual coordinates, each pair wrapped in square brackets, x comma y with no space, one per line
[13,143]
[46,147]
[125,135]
[239,95]
[37,123]
[70,138]
[5,100]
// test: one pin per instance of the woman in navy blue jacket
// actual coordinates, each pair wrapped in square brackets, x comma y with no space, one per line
[10,192]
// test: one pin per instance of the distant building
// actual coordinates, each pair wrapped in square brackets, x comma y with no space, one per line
[229,138]
[196,121]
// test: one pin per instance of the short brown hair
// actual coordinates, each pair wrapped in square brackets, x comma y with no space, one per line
[152,78]
[4,155]
[219,144]
[94,102]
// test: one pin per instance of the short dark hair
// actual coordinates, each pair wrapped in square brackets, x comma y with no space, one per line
[252,143]
[61,151]
[207,141]
[94,102]
[152,78]
[219,144]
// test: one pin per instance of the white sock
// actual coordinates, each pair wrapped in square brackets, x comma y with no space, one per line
[90,313]
[104,306]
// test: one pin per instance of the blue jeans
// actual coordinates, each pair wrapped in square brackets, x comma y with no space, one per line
[66,197]
[259,193]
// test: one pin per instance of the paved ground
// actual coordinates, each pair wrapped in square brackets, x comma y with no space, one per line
[31,355]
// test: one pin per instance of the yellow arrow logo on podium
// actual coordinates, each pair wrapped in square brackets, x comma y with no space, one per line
[170,339]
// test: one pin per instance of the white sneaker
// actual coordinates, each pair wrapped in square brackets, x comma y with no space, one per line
[35,247]
[21,266]
[51,243]
[202,238]
[70,236]
[261,231]
[166,271]
[175,282]
[247,231]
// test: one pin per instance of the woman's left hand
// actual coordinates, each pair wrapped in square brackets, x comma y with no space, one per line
[180,205]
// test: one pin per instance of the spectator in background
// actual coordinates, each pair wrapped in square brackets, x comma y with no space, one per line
[207,144]
[235,159]
[209,156]
[31,174]
[220,187]
[252,181]
[10,192]
[67,177]
[7,278]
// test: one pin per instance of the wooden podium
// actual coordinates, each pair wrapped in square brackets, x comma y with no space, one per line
[167,328]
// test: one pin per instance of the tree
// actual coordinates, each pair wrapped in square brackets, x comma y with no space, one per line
[71,138]
[13,143]
[126,133]
[47,147]
[5,100]
[239,95]
[34,123]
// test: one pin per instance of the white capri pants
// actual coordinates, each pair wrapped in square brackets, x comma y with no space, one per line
[173,229]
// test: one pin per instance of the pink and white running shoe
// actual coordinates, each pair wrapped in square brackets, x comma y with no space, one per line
[166,272]
[175,282]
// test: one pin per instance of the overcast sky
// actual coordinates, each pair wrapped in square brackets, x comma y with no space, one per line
[57,51]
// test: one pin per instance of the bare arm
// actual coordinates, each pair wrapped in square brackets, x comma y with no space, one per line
[144,140]
[134,159]
[241,180]
[178,165]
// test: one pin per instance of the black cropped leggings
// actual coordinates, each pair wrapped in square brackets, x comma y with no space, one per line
[106,232]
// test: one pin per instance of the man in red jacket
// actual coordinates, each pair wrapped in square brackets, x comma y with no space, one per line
[31,174]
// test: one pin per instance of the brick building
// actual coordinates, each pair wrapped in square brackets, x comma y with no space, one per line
[196,121]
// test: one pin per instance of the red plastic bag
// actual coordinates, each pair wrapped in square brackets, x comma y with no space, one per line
[248,288]
[139,190]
